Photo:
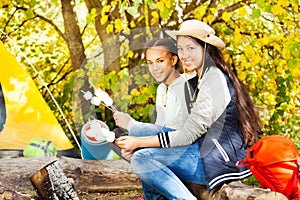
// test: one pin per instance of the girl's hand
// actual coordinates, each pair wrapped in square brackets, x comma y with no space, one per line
[122,119]
[126,154]
[127,143]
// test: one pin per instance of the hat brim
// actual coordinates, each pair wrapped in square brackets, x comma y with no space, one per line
[212,39]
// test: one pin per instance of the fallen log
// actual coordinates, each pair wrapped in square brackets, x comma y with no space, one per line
[98,176]
[85,175]
[238,191]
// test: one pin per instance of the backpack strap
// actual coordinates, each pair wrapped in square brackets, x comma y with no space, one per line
[242,163]
[45,148]
[294,192]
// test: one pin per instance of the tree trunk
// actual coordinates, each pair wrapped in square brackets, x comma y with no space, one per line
[72,34]
[110,41]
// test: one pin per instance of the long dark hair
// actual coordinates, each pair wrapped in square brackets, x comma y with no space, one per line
[247,113]
[168,43]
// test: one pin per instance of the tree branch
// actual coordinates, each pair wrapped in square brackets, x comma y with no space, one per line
[9,20]
[231,8]
[52,24]
[44,19]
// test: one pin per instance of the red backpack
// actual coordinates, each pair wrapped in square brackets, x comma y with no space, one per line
[275,162]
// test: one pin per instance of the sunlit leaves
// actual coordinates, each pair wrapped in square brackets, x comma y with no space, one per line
[109,28]
[265,49]
[226,16]
[118,25]
[133,10]
[91,16]
[155,17]
[165,8]
[256,13]
[104,13]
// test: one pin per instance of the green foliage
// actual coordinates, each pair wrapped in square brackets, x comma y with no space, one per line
[252,181]
[132,91]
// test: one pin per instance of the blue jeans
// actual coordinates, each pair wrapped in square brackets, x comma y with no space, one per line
[163,170]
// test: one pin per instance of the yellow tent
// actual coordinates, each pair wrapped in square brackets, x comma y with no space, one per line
[24,113]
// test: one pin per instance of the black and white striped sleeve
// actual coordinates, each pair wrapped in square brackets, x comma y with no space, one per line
[164,139]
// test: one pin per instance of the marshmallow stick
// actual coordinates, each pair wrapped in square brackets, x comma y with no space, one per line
[88,95]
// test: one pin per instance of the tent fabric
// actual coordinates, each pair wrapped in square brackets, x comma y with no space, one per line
[24,112]
[2,109]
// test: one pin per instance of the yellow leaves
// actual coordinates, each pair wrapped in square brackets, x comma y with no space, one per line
[168,4]
[265,40]
[105,10]
[242,11]
[109,28]
[296,72]
[202,11]
[237,36]
[154,18]
[213,10]
[270,98]
[242,75]
[263,62]
[144,89]
[104,14]
[130,54]
[134,92]
[248,51]
[132,24]
[255,59]
[5,2]
[277,10]
[121,73]
[113,3]
[296,7]
[155,14]
[160,5]
[146,76]
[277,47]
[165,8]
[118,25]
[280,69]
[284,3]
[104,19]
[286,53]
[225,16]
[209,19]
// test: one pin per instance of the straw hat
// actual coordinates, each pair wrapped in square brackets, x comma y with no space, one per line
[200,30]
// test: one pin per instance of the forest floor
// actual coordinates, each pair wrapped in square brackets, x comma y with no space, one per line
[122,195]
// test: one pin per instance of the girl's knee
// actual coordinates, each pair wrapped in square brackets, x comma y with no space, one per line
[140,160]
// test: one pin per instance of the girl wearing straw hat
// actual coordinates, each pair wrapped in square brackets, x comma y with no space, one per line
[222,125]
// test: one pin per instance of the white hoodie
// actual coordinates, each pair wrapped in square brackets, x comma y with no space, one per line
[171,108]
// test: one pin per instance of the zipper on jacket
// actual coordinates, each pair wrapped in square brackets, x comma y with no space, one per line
[221,150]
[165,96]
